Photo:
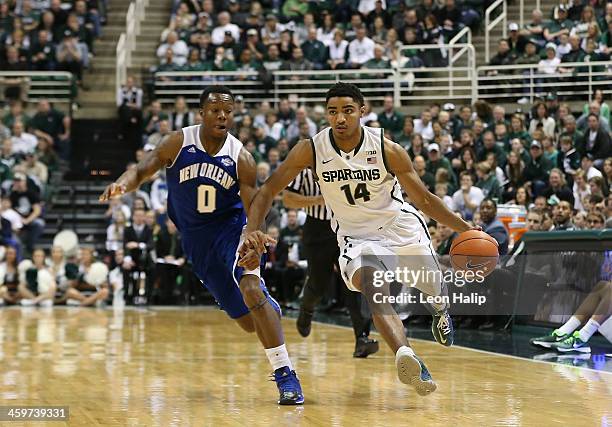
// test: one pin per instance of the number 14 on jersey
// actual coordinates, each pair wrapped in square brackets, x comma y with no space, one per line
[361,192]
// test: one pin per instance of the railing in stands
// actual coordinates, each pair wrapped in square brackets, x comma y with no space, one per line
[490,25]
[56,86]
[309,87]
[508,83]
[127,40]
[468,48]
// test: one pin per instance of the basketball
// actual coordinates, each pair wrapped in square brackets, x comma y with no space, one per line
[474,251]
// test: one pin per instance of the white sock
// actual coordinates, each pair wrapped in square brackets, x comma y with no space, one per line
[588,330]
[403,350]
[278,357]
[570,326]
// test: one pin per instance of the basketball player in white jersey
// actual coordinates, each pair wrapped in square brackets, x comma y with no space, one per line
[360,173]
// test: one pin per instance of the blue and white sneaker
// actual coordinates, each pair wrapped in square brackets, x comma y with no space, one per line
[289,387]
[412,370]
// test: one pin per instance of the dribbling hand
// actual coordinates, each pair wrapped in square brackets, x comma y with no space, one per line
[112,191]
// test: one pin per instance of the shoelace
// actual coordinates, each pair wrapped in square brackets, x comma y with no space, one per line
[444,324]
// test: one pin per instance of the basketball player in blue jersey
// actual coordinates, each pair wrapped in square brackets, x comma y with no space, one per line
[211,181]
[360,173]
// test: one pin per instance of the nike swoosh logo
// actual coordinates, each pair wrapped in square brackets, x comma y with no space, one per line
[327,161]
[471,266]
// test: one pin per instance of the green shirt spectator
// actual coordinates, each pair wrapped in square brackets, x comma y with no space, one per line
[487,181]
[295,8]
[390,119]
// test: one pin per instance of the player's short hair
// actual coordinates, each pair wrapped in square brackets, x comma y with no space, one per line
[214,89]
[349,90]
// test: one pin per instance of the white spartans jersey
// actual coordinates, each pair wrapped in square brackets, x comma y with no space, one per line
[358,189]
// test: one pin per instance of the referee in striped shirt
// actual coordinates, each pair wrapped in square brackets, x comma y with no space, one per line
[322,253]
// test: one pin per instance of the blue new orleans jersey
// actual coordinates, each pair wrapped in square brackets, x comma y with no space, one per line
[204,203]
[203,189]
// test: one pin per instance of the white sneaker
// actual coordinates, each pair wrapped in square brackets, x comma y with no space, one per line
[412,371]
[523,101]
[27,302]
[46,303]
[73,302]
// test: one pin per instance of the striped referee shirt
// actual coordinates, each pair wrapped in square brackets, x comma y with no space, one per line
[305,185]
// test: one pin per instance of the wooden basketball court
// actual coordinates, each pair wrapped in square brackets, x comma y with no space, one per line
[194,367]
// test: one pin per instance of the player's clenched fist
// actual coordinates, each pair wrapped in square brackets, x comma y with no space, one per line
[113,190]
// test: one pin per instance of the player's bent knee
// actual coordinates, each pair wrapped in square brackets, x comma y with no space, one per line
[251,291]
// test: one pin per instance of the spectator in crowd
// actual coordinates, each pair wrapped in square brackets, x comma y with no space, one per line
[224,25]
[169,264]
[26,201]
[493,226]
[391,119]
[423,126]
[9,277]
[153,118]
[181,117]
[298,63]
[22,142]
[559,25]
[580,190]
[594,108]
[596,141]
[70,57]
[90,287]
[36,284]
[52,125]
[361,50]
[338,51]
[420,168]
[129,104]
[562,216]
[467,199]
[487,181]
[314,50]
[177,46]
[557,186]
[115,232]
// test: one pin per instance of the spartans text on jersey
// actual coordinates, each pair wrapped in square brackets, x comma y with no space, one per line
[206,170]
[349,174]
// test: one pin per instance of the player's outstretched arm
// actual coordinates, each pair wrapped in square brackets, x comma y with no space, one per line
[299,157]
[400,164]
[162,156]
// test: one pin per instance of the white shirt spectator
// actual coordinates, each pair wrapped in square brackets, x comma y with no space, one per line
[475,195]
[579,195]
[548,66]
[218,34]
[593,172]
[326,37]
[24,143]
[13,217]
[361,51]
[371,117]
[179,49]
[563,49]
[276,131]
[337,53]
[425,131]
[114,237]
[448,201]
[367,6]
